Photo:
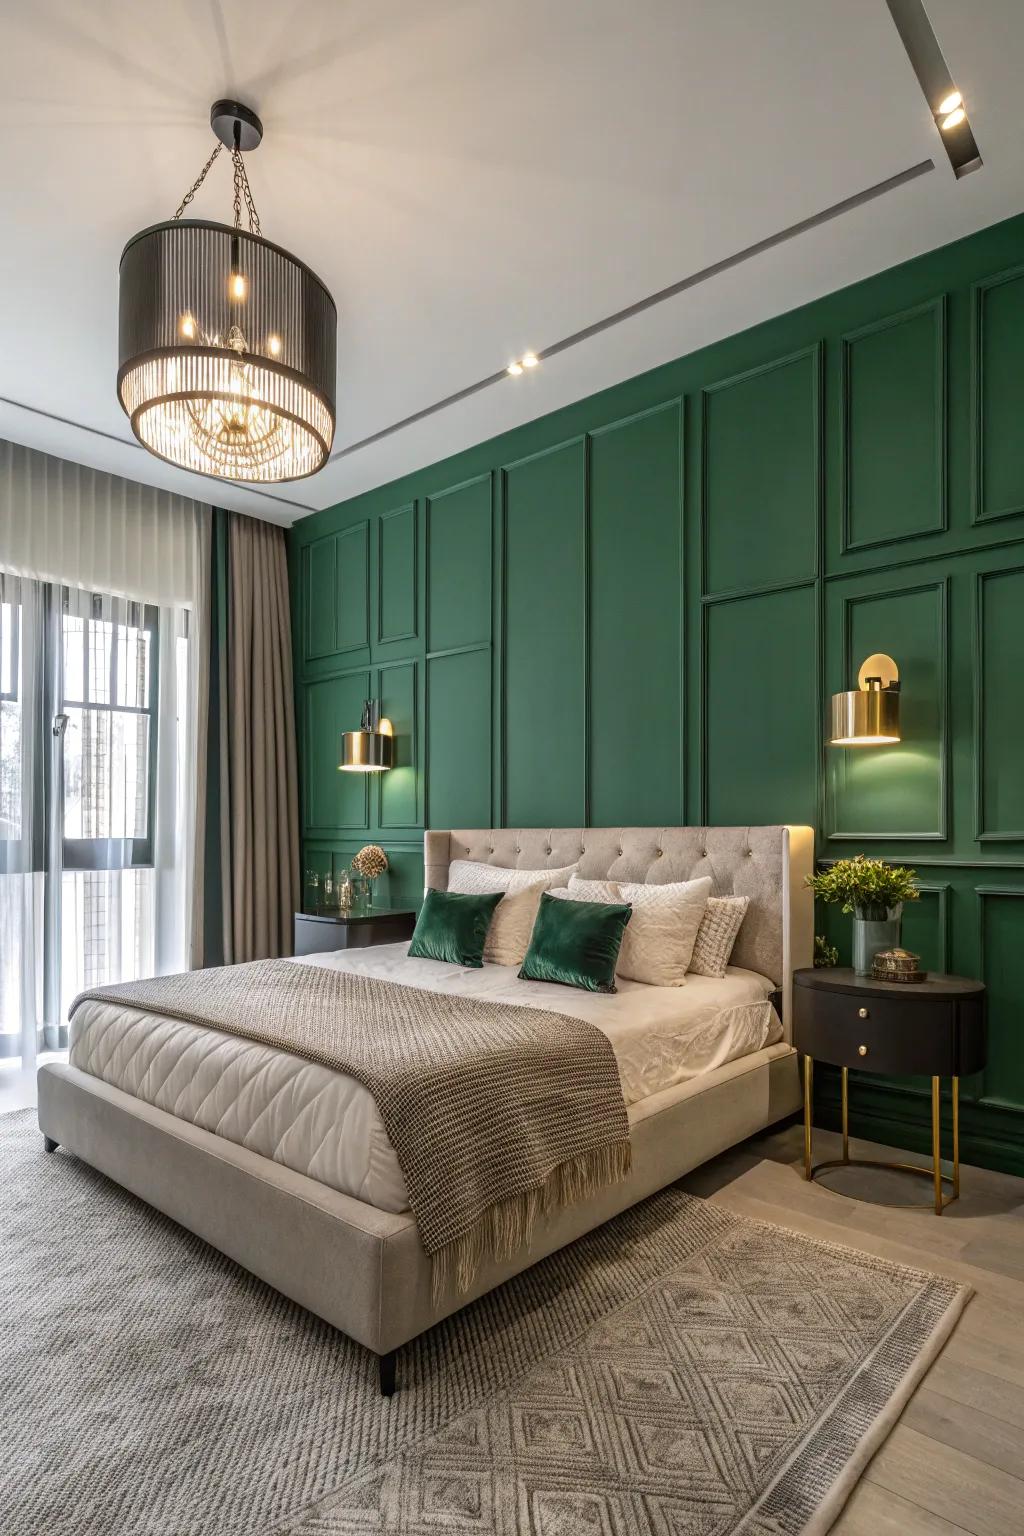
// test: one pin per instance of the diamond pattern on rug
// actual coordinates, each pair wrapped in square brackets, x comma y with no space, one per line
[680,1372]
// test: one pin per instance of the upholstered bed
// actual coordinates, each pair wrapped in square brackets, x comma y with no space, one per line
[286,1166]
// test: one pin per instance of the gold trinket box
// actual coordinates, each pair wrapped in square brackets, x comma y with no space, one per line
[897,965]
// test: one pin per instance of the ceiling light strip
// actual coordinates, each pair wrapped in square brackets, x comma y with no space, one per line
[748,253]
[944,100]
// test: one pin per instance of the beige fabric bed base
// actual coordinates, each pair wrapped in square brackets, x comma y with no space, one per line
[361,1269]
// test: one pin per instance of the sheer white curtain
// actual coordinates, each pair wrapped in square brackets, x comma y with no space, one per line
[98,716]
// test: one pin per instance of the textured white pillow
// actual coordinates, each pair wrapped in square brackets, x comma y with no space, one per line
[717,934]
[659,938]
[508,937]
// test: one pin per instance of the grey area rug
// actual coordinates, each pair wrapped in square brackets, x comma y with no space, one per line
[682,1370]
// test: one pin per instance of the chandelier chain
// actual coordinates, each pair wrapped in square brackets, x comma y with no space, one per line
[251,208]
[194,188]
[241,190]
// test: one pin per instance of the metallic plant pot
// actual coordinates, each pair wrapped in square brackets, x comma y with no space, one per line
[871,934]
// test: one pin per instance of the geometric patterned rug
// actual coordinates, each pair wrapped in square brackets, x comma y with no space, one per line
[680,1372]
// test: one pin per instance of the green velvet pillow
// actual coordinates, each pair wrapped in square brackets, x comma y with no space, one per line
[453,928]
[576,943]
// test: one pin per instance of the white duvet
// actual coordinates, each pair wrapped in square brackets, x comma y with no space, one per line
[322,1123]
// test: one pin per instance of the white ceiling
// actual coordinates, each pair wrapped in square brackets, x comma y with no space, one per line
[471,179]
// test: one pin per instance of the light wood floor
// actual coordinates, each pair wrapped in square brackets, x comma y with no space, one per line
[955,1461]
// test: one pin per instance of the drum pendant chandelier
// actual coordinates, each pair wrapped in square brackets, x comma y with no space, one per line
[227,344]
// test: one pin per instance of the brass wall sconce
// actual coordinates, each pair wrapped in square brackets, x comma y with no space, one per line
[869,715]
[371,749]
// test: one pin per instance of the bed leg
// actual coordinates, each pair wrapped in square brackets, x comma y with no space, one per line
[386,1364]
[49,1145]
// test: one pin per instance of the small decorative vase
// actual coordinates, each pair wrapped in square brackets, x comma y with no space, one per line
[874,928]
[360,895]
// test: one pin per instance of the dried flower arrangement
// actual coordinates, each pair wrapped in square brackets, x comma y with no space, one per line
[370,861]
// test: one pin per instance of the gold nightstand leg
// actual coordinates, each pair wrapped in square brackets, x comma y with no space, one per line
[846,1115]
[808,1096]
[956,1137]
[936,1146]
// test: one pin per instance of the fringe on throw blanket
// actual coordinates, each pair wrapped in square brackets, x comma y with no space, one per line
[508,1226]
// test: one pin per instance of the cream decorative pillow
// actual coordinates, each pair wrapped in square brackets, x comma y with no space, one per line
[508,937]
[717,934]
[659,940]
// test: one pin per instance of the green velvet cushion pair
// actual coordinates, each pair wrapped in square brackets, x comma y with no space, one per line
[574,943]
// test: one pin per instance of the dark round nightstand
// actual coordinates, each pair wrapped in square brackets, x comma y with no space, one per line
[935,1028]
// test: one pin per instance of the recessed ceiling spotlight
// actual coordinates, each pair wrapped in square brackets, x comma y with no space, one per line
[955,118]
[515,369]
[530,360]
[949,104]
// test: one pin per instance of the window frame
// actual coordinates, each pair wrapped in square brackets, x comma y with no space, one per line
[96,853]
[10,695]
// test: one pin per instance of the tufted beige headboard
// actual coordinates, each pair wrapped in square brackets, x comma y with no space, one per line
[768,864]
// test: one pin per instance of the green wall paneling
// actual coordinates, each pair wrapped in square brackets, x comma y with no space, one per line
[925,928]
[650,589]
[458,756]
[544,641]
[998,693]
[761,708]
[353,599]
[333,800]
[396,576]
[399,804]
[459,565]
[636,598]
[320,597]
[895,791]
[998,403]
[761,474]
[1000,916]
[894,428]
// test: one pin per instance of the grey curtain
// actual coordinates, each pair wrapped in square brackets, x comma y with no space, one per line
[247,837]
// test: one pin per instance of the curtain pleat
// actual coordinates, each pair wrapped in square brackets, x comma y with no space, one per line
[64,522]
[250,840]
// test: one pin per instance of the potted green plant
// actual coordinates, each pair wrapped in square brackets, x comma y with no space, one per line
[874,892]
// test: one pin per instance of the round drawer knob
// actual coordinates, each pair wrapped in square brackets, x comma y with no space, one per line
[862,1050]
[862,1013]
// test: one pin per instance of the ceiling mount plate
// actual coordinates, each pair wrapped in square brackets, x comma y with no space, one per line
[224,115]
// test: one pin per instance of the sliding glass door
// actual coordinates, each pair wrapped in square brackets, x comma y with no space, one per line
[89,772]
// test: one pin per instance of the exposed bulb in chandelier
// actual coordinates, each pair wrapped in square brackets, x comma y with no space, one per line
[238,287]
[187,327]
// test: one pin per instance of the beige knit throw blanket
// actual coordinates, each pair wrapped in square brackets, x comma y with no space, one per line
[497,1113]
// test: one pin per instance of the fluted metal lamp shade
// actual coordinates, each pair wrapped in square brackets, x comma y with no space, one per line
[227,353]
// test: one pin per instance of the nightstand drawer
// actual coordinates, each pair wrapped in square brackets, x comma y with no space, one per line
[897,1034]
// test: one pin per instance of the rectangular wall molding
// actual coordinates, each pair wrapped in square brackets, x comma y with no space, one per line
[997,396]
[893,444]
[998,658]
[396,575]
[889,791]
[761,475]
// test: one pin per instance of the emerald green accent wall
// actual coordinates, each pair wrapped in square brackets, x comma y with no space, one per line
[634,610]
